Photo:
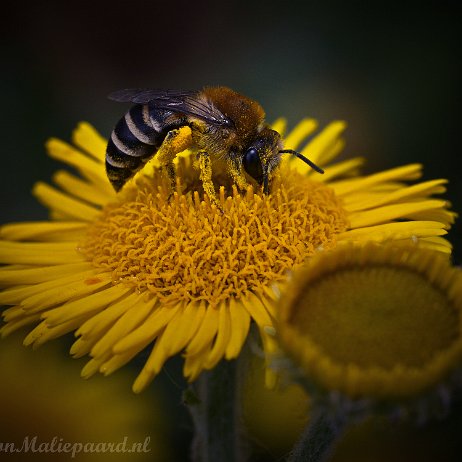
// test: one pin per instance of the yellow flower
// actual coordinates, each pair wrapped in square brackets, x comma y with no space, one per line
[44,407]
[376,322]
[127,270]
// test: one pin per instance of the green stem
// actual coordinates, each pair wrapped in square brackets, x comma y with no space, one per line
[216,415]
[318,440]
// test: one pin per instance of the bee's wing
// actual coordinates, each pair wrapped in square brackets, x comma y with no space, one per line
[144,95]
[184,102]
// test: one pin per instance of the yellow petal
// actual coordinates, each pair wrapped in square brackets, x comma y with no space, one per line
[16,295]
[442,215]
[53,332]
[194,364]
[159,353]
[347,167]
[392,212]
[11,277]
[80,347]
[144,378]
[324,146]
[222,339]
[116,362]
[88,167]
[130,320]
[406,172]
[14,312]
[205,333]
[398,230]
[181,332]
[302,130]
[145,333]
[240,323]
[63,293]
[18,323]
[103,320]
[436,243]
[419,190]
[87,138]
[94,301]
[257,310]
[43,231]
[91,368]
[81,189]
[33,253]
[72,209]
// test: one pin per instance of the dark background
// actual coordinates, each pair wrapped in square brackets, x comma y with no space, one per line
[391,71]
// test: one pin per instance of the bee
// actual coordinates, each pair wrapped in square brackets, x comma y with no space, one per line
[216,122]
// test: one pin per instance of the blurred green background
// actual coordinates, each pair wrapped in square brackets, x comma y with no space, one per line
[391,70]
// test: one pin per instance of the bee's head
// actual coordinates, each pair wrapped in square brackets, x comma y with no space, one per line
[264,154]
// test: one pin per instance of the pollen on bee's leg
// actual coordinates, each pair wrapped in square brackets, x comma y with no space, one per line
[170,168]
[237,176]
[171,174]
[210,190]
[176,141]
[205,167]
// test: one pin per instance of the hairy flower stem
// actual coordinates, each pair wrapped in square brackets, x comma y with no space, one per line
[215,409]
[318,440]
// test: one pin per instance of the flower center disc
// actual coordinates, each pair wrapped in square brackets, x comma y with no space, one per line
[377,316]
[374,320]
[180,248]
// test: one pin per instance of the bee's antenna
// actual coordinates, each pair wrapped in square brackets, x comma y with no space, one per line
[302,157]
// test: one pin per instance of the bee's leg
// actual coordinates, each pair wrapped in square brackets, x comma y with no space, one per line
[235,169]
[176,141]
[205,166]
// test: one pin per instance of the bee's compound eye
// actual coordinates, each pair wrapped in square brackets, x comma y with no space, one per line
[251,156]
[252,164]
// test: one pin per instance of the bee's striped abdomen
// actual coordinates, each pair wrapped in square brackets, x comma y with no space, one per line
[134,140]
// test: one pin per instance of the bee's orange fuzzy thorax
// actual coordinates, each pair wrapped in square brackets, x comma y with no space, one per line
[247,114]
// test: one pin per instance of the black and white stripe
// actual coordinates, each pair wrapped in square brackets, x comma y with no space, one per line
[134,140]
